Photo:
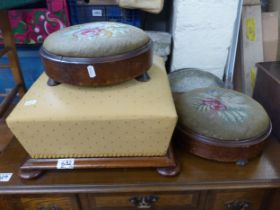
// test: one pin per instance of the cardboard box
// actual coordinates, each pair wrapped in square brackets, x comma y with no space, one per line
[251,45]
[131,119]
[270,35]
[251,2]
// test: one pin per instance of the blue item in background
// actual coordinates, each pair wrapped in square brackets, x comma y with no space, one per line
[31,66]
[84,13]
[73,12]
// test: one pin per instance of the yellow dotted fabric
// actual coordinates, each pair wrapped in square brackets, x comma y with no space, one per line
[130,119]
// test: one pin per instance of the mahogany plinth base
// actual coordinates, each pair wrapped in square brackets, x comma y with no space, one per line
[165,165]
[221,150]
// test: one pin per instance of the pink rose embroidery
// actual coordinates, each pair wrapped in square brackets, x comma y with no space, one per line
[227,106]
[88,32]
[214,104]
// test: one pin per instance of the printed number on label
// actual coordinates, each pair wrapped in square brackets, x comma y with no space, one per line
[96,12]
[91,71]
[65,164]
[5,177]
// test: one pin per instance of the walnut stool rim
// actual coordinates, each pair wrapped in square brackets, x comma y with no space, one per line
[222,142]
[222,150]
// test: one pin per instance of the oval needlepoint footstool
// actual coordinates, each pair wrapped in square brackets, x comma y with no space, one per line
[221,124]
[188,79]
[96,54]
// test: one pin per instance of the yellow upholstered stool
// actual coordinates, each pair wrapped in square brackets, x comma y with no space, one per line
[131,119]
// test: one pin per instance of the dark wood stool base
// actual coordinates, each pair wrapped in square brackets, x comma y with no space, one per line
[165,165]
[238,152]
[52,82]
[98,71]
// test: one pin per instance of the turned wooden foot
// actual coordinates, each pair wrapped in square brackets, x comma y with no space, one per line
[143,77]
[170,171]
[30,174]
[52,82]
[241,162]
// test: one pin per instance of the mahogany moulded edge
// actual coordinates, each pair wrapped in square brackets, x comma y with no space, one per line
[221,150]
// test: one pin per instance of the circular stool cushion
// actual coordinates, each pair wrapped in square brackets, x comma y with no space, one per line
[96,54]
[189,79]
[221,114]
[95,40]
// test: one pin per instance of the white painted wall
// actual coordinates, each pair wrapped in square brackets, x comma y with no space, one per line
[202,32]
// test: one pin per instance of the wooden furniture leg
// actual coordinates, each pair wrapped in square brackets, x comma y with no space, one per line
[10,50]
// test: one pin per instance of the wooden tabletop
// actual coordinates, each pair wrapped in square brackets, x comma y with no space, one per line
[196,174]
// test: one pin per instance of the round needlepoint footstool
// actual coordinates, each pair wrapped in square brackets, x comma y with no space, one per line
[96,54]
[188,79]
[221,124]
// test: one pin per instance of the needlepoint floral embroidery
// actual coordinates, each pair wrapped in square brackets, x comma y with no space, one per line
[213,104]
[228,106]
[95,30]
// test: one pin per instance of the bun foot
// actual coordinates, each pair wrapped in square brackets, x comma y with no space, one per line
[170,171]
[143,77]
[52,82]
[30,174]
[241,162]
